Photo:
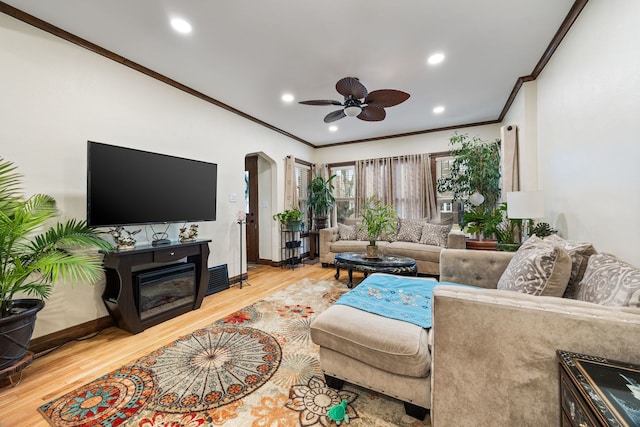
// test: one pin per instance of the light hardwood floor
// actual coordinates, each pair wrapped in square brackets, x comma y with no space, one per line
[79,362]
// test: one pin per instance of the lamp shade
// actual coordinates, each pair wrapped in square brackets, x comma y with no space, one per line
[525,204]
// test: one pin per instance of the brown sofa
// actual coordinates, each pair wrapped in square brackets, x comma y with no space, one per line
[427,256]
[490,356]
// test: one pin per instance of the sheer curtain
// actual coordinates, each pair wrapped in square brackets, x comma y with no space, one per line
[290,193]
[404,182]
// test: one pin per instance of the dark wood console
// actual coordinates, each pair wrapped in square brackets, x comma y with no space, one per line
[120,291]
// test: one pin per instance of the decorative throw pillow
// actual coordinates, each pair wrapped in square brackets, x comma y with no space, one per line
[537,268]
[436,235]
[410,230]
[392,236]
[361,232]
[610,281]
[579,253]
[347,232]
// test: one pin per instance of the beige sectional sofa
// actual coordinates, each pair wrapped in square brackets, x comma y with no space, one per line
[427,255]
[491,353]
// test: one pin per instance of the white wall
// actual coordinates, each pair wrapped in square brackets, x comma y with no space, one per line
[55,96]
[588,107]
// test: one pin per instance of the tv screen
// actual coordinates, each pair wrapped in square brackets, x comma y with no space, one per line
[127,186]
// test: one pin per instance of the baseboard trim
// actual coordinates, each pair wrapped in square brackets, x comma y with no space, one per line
[47,342]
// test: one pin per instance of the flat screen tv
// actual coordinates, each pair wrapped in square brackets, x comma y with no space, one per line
[127,186]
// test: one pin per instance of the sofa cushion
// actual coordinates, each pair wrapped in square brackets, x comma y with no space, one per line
[417,251]
[388,344]
[579,253]
[436,235]
[410,230]
[610,281]
[347,232]
[537,268]
[360,246]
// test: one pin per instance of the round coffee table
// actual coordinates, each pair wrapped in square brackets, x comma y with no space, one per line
[384,264]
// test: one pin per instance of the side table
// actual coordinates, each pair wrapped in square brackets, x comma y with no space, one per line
[598,392]
[314,243]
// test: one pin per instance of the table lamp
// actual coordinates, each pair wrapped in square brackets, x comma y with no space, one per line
[525,205]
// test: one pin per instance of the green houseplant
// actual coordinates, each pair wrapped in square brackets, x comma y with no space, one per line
[508,231]
[475,168]
[378,220]
[320,199]
[481,221]
[289,218]
[34,255]
[543,229]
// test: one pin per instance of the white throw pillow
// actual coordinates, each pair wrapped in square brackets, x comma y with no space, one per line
[537,268]
[610,281]
[579,253]
[410,230]
[347,232]
[435,235]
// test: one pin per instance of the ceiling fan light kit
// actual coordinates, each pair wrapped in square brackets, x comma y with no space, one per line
[358,102]
[353,110]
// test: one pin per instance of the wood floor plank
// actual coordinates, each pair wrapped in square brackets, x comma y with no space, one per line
[79,362]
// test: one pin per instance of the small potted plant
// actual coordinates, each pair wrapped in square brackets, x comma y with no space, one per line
[377,220]
[481,222]
[33,259]
[543,229]
[290,218]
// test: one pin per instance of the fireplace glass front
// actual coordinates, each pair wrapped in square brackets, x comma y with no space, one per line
[165,288]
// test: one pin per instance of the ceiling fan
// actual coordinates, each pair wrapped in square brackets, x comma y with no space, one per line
[360,103]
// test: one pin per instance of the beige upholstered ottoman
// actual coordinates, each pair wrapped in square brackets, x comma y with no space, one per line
[382,354]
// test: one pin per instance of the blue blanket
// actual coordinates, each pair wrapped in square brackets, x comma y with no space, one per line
[402,298]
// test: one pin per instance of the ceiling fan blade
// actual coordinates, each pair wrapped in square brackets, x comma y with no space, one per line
[351,86]
[372,113]
[320,102]
[386,98]
[336,115]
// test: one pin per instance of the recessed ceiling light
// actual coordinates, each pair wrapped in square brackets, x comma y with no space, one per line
[439,109]
[333,128]
[181,26]
[436,58]
[287,97]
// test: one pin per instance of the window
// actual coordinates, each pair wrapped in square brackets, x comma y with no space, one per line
[345,191]
[303,175]
[441,165]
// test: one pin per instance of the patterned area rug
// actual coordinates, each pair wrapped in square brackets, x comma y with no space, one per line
[257,367]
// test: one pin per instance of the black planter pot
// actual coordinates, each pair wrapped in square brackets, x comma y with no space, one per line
[16,330]
[320,222]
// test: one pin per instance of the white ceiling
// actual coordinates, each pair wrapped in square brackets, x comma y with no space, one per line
[246,54]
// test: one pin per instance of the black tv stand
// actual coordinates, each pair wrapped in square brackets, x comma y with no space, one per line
[159,242]
[119,293]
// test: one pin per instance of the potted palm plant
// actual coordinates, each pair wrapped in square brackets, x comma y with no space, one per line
[320,199]
[33,258]
[378,220]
